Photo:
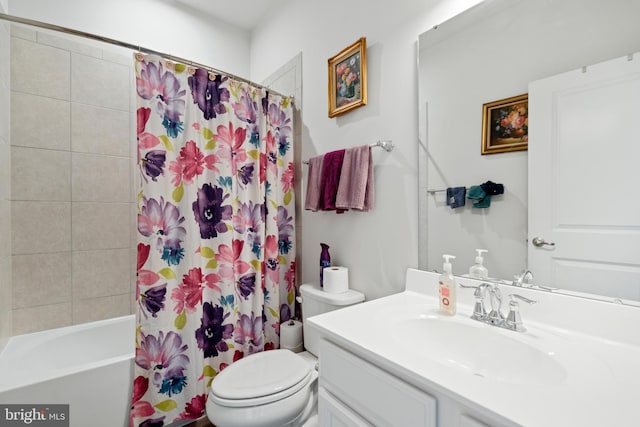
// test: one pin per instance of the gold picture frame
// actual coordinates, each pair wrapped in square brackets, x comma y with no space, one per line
[348,78]
[505,125]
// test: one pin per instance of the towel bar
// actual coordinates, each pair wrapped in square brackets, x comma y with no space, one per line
[385,144]
[438,191]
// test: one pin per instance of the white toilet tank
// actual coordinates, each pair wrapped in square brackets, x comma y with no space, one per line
[316,301]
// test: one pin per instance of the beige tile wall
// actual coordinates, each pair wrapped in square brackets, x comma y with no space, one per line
[5,187]
[71,152]
[52,116]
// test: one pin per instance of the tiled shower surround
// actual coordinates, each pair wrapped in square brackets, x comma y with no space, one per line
[72,197]
[5,186]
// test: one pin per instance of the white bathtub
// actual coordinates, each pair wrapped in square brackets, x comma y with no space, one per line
[88,366]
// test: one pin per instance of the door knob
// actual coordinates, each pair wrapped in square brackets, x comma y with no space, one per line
[539,242]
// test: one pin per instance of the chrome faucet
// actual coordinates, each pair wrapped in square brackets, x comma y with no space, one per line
[479,312]
[513,320]
[523,278]
[526,277]
[495,316]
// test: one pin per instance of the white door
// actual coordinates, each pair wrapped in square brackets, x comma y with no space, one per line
[584,179]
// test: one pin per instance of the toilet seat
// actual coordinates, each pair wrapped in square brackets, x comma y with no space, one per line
[262,400]
[263,378]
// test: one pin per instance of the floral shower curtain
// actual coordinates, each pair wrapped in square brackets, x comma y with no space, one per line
[216,255]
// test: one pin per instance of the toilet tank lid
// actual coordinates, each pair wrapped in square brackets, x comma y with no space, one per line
[344,298]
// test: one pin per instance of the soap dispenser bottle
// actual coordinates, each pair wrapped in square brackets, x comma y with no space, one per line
[325,261]
[477,270]
[447,288]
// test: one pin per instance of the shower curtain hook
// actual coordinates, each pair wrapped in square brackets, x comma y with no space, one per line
[139,55]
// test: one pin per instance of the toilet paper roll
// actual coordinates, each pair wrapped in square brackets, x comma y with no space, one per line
[291,335]
[336,280]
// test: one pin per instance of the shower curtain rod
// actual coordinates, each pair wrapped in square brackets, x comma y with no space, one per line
[138,48]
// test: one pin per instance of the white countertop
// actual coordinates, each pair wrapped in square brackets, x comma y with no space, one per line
[598,383]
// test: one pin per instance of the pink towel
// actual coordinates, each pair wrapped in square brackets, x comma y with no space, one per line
[356,180]
[331,167]
[314,178]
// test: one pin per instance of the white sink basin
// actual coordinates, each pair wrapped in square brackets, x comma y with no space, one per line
[576,365]
[479,349]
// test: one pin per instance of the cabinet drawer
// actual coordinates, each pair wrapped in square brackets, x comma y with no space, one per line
[377,396]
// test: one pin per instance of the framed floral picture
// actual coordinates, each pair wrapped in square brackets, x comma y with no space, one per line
[348,78]
[505,125]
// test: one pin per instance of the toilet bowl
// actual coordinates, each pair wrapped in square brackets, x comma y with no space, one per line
[254,391]
[278,387]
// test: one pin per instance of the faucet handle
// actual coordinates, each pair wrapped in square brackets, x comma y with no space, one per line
[514,320]
[479,289]
[479,312]
[520,297]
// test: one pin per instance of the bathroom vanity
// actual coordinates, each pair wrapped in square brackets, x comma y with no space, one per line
[396,361]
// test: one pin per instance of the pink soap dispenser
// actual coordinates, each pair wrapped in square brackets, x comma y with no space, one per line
[447,288]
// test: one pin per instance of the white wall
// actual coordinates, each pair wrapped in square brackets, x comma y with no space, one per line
[377,246]
[155,24]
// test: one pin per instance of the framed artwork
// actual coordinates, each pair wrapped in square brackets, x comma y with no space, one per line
[348,79]
[505,125]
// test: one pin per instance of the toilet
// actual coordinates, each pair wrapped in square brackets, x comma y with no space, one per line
[278,387]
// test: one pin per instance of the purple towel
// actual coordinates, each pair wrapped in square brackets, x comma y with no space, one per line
[356,180]
[314,178]
[331,168]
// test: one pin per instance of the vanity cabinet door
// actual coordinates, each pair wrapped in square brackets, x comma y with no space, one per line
[377,396]
[333,413]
